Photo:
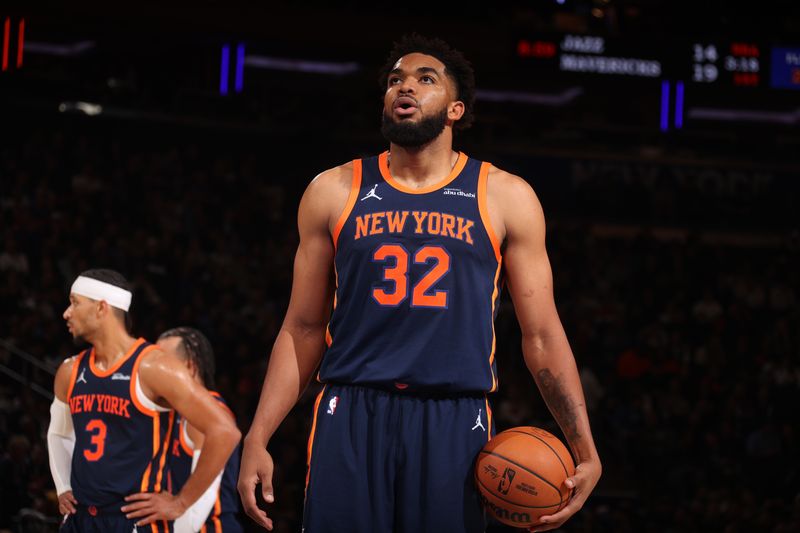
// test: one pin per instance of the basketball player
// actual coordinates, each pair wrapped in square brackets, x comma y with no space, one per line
[112,419]
[216,511]
[409,248]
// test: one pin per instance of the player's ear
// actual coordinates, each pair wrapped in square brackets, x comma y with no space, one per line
[455,110]
[102,308]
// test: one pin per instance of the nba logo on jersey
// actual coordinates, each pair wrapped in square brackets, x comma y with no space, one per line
[332,405]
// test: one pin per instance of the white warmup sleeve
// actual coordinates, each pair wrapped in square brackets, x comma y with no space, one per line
[60,444]
[195,516]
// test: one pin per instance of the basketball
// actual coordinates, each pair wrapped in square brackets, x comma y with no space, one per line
[520,475]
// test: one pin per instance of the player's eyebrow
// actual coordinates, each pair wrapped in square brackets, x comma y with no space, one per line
[420,70]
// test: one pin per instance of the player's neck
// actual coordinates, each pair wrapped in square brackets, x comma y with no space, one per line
[110,344]
[422,166]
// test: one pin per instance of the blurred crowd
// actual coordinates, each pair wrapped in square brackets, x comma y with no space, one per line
[689,348]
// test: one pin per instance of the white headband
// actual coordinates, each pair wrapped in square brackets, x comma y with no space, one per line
[100,290]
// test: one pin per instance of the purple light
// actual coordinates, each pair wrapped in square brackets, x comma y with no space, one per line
[679,105]
[223,69]
[239,80]
[664,105]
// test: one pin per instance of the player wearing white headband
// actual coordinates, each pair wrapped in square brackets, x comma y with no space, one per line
[112,418]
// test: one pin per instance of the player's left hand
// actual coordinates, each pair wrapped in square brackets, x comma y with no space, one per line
[583,482]
[153,506]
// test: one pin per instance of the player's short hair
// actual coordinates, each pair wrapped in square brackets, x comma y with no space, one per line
[112,277]
[195,347]
[456,67]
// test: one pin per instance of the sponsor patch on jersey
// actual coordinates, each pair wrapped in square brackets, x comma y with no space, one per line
[458,192]
[120,375]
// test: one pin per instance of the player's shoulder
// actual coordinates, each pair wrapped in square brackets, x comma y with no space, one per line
[69,363]
[509,188]
[153,355]
[326,196]
[64,375]
[338,178]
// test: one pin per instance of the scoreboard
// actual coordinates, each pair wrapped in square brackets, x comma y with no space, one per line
[734,63]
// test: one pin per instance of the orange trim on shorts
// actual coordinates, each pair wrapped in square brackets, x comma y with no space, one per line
[311,436]
[488,419]
[355,186]
[328,336]
[383,165]
[73,375]
[483,180]
[105,373]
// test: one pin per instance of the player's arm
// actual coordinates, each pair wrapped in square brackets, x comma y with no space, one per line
[167,380]
[196,515]
[300,342]
[61,439]
[544,343]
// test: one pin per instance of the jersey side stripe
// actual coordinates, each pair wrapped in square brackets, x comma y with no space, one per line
[483,179]
[217,512]
[164,448]
[495,294]
[153,414]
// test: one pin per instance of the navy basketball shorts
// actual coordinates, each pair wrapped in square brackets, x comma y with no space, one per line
[92,520]
[382,461]
[224,523]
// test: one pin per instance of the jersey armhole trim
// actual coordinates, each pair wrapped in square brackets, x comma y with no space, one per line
[140,400]
[355,186]
[186,441]
[74,374]
[483,179]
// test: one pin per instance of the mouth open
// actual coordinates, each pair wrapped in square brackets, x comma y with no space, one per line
[405,106]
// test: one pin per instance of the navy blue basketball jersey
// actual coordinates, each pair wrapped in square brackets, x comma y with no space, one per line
[181,453]
[417,283]
[222,518]
[120,444]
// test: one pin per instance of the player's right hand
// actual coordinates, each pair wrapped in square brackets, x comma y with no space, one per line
[67,503]
[256,469]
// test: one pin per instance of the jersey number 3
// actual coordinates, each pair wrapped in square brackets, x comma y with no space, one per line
[396,272]
[98,440]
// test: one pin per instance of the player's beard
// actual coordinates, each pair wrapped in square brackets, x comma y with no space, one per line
[413,135]
[79,342]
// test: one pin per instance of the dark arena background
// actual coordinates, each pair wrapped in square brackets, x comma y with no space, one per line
[173,142]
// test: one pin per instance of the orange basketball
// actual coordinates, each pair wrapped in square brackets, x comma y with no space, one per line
[520,475]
